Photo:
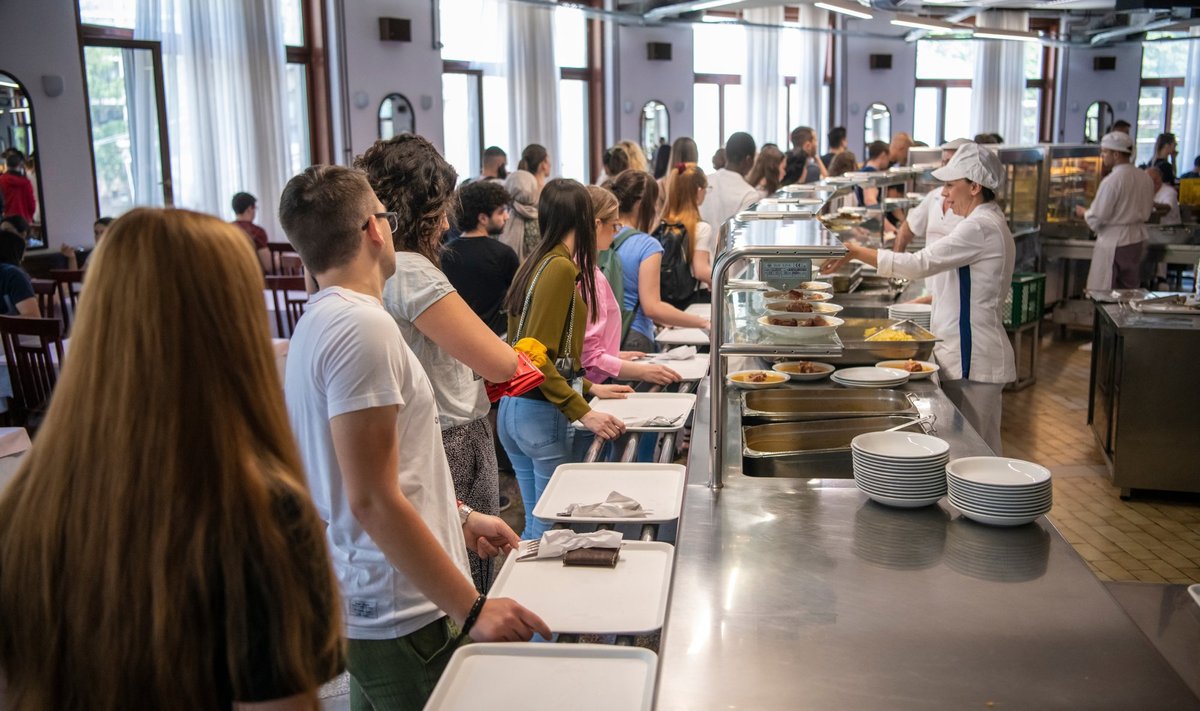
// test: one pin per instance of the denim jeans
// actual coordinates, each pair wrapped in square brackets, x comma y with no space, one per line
[537,438]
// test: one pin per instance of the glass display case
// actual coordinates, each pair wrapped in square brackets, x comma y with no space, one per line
[1070,178]
[926,157]
[1020,198]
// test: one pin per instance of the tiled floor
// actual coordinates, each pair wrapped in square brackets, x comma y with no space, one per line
[1146,540]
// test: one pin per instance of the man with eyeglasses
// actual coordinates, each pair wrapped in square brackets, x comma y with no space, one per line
[366,421]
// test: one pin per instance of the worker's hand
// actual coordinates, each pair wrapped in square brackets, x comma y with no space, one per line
[611,392]
[488,536]
[1080,211]
[833,265]
[504,620]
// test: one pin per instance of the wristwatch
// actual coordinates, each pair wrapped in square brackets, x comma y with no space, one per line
[463,512]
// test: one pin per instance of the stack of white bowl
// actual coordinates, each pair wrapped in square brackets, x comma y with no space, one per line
[999,491]
[919,314]
[904,469]
[869,377]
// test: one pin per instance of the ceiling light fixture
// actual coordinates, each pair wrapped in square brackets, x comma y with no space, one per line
[845,8]
[928,23]
[998,34]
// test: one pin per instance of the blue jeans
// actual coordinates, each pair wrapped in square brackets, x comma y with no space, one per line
[537,438]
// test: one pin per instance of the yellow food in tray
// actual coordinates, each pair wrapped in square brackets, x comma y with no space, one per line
[887,334]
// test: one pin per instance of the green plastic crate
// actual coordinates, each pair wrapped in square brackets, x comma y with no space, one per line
[1025,300]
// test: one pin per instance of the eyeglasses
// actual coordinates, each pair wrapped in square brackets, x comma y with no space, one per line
[392,218]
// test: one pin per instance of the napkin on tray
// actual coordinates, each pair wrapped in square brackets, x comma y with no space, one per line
[617,505]
[557,542]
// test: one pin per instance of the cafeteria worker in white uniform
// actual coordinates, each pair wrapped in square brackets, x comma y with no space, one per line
[931,218]
[974,266]
[1118,216]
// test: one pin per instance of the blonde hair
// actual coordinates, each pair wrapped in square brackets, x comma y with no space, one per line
[682,206]
[163,500]
[637,157]
[604,203]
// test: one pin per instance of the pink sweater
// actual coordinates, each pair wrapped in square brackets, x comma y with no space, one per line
[602,342]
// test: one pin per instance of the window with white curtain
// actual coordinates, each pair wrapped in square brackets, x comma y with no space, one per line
[719,63]
[570,52]
[1162,102]
[108,13]
[942,103]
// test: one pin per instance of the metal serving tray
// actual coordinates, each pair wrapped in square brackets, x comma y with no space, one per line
[810,450]
[796,405]
[856,350]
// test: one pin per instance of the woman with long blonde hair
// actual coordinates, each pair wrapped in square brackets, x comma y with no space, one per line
[688,189]
[637,156]
[158,547]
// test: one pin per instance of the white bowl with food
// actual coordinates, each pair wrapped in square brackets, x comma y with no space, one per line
[789,309]
[756,379]
[797,295]
[800,327]
[804,369]
[916,369]
[855,210]
[814,286]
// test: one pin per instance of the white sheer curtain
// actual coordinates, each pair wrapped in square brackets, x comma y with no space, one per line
[763,80]
[1189,134]
[142,120]
[808,57]
[999,85]
[532,80]
[223,65]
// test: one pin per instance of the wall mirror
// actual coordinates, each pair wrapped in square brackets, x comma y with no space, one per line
[1097,121]
[396,116]
[23,179]
[656,128]
[877,125]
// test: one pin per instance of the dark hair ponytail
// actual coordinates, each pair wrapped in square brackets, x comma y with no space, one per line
[532,157]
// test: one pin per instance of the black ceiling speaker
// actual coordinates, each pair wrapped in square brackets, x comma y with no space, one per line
[658,51]
[881,61]
[1104,64]
[395,29]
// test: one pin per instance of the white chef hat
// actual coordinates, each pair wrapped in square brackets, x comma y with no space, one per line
[955,144]
[973,163]
[1117,141]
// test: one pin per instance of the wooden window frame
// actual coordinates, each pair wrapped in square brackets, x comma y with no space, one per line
[313,54]
[721,80]
[466,68]
[1170,85]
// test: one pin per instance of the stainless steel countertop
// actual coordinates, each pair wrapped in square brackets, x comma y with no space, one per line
[802,594]
[1125,318]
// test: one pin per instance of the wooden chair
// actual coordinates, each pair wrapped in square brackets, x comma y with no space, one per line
[288,309]
[69,282]
[284,260]
[33,349]
[46,290]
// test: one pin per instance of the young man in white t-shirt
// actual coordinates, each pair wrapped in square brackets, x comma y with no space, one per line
[366,421]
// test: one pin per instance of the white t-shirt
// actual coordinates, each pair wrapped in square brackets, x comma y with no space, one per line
[347,355]
[416,286]
[728,194]
[1166,196]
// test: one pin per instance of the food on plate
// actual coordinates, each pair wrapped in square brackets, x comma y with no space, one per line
[912,366]
[887,334]
[799,307]
[802,367]
[757,376]
[799,322]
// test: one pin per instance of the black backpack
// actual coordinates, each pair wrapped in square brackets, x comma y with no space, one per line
[675,280]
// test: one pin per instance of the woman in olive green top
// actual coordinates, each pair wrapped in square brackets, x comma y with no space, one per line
[544,303]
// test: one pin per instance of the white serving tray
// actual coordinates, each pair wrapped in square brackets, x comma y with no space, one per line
[546,677]
[704,310]
[693,368]
[628,599]
[639,407]
[657,487]
[682,337]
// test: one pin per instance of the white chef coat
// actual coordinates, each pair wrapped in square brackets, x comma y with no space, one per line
[978,256]
[728,194]
[1118,216]
[1166,195]
[931,219]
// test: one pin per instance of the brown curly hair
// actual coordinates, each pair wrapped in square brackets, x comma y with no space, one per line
[412,180]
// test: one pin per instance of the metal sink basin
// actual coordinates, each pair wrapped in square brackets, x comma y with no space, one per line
[808,450]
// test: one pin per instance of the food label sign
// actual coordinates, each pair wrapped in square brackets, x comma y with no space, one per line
[786,272]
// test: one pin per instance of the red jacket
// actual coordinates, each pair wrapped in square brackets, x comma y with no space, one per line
[18,196]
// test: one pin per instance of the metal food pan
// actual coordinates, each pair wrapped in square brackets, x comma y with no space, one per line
[856,350]
[818,449]
[799,405]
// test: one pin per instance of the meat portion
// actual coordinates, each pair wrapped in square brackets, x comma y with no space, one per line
[814,321]
[913,366]
[799,307]
[802,367]
[755,377]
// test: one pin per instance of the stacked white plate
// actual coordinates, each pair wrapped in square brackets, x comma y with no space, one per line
[903,469]
[999,491]
[917,313]
[870,377]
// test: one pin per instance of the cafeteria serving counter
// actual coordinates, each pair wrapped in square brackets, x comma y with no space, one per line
[794,593]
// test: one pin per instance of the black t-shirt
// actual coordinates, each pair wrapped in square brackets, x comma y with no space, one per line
[481,269]
[15,287]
